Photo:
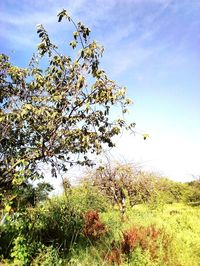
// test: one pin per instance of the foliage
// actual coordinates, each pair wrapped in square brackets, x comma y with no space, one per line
[86,196]
[124,181]
[142,246]
[113,255]
[23,250]
[93,227]
[194,195]
[25,195]
[148,238]
[28,236]
[157,190]
[56,113]
[48,256]
[178,220]
[16,238]
[114,182]
[7,234]
[58,221]
[140,258]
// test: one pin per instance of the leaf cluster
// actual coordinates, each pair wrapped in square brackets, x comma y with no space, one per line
[58,114]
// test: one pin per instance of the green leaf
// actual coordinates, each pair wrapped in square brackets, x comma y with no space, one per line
[56,109]
[145,136]
[60,18]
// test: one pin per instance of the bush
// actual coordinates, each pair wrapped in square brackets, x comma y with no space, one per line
[150,239]
[194,195]
[113,256]
[93,229]
[7,233]
[172,191]
[57,222]
[48,256]
[23,250]
[86,197]
[18,242]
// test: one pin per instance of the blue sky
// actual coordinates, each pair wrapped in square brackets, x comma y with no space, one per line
[153,48]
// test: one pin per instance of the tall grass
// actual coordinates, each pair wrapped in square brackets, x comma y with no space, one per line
[80,228]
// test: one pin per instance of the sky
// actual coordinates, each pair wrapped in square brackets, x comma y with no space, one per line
[153,48]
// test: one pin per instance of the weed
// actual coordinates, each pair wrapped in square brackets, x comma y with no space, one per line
[148,239]
[93,229]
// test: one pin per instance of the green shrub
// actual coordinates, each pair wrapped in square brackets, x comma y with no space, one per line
[48,256]
[57,222]
[12,226]
[193,196]
[7,233]
[87,197]
[139,257]
[23,250]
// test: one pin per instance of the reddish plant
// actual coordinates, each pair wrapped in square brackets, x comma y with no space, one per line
[93,228]
[130,240]
[148,238]
[114,256]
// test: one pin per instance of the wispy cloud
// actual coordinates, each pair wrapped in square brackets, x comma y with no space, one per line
[18,22]
[113,21]
[15,17]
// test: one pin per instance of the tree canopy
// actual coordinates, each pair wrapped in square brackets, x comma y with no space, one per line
[58,114]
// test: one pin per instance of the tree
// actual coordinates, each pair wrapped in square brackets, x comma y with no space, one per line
[194,186]
[26,195]
[115,181]
[58,114]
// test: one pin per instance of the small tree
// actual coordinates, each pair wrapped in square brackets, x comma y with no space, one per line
[115,181]
[56,115]
[26,195]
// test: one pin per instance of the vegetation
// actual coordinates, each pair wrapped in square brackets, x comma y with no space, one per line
[57,114]
[122,183]
[117,215]
[84,227]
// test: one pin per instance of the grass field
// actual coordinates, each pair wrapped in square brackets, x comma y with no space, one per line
[181,222]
